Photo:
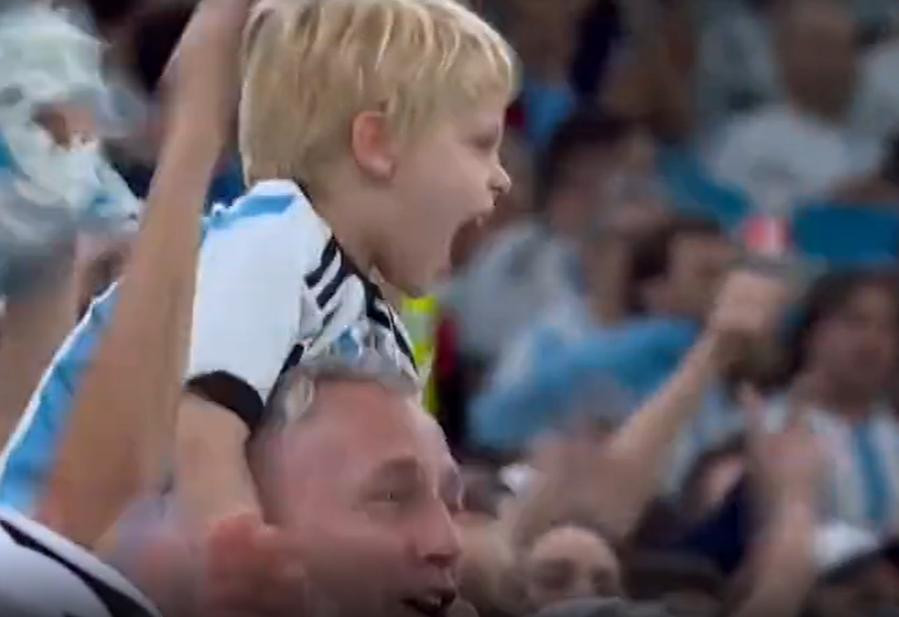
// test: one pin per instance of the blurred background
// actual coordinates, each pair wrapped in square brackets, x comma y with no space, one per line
[655,144]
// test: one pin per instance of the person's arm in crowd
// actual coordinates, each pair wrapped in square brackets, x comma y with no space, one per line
[38,318]
[34,325]
[123,421]
[548,379]
[786,467]
[622,473]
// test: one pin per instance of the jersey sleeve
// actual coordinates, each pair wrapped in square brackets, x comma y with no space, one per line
[246,312]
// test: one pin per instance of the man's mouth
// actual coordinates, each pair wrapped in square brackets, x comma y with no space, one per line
[433,604]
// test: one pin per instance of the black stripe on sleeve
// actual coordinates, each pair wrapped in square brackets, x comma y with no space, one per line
[232,393]
[328,255]
[118,604]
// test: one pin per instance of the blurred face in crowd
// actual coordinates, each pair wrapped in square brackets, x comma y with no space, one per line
[854,348]
[368,486]
[548,49]
[697,264]
[570,562]
[611,186]
[819,55]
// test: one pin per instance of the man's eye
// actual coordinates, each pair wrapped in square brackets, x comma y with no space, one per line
[394,496]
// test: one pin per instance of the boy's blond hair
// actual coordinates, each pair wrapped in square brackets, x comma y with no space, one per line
[312,65]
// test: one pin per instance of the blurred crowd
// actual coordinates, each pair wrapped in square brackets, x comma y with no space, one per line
[641,427]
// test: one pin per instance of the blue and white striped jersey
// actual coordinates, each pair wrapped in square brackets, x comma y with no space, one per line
[274,287]
[861,480]
[45,575]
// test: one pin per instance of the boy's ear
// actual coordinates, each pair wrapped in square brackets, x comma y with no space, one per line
[373,146]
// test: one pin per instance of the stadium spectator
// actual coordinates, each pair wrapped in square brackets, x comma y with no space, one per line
[557,370]
[843,360]
[358,505]
[547,97]
[570,562]
[737,71]
[649,78]
[785,152]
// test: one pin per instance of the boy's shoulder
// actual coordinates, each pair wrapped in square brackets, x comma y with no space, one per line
[274,218]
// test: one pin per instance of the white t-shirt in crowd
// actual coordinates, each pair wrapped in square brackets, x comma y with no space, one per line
[878,108]
[861,483]
[43,574]
[780,156]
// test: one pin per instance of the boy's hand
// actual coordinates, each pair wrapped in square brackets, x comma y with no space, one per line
[746,310]
[203,77]
[252,570]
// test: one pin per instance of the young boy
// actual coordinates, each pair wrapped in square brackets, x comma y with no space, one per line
[369,131]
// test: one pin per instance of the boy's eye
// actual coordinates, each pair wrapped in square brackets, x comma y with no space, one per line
[486,143]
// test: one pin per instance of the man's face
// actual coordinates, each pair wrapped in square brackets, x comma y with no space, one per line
[856,346]
[698,263]
[568,563]
[447,178]
[819,55]
[370,490]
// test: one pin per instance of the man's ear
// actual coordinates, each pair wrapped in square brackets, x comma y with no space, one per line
[373,145]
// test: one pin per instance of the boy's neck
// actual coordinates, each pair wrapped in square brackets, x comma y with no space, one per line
[346,222]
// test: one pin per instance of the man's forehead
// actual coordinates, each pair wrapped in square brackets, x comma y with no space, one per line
[368,424]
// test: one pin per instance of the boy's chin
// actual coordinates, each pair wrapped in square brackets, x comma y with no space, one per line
[412,283]
[417,290]
[425,285]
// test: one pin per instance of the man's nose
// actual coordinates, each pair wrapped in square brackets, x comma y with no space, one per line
[438,540]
